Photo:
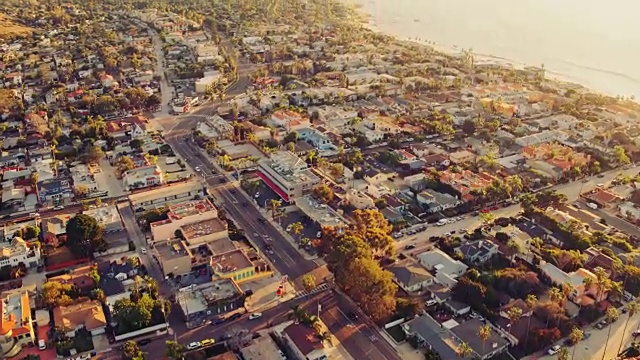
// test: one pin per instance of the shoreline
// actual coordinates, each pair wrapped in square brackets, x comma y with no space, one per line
[367,21]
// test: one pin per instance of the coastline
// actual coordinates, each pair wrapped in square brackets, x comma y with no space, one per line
[368,22]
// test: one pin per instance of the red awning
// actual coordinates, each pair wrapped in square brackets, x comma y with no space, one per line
[273,186]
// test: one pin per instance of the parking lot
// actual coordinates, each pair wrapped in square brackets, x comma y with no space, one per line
[106,179]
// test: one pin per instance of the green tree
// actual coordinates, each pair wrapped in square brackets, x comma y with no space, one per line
[297,314]
[484,333]
[464,350]
[620,155]
[136,143]
[323,193]
[274,205]
[563,354]
[633,307]
[514,314]
[296,228]
[309,282]
[487,217]
[430,354]
[84,236]
[132,351]
[93,154]
[124,163]
[469,127]
[175,350]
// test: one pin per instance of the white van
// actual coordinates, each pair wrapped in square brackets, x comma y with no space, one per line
[442,222]
[594,206]
[42,345]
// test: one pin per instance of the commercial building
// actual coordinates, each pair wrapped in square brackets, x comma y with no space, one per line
[215,298]
[16,328]
[209,79]
[238,266]
[107,216]
[174,257]
[182,214]
[304,343]
[169,194]
[261,348]
[287,174]
[203,231]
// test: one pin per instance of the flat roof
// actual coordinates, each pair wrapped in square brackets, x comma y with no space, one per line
[290,167]
[172,249]
[320,213]
[199,299]
[230,261]
[104,214]
[166,191]
[260,349]
[189,208]
[203,228]
[221,245]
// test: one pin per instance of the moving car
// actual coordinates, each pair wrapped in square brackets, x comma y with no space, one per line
[268,248]
[234,316]
[59,207]
[143,250]
[255,316]
[554,350]
[194,345]
[594,206]
[42,345]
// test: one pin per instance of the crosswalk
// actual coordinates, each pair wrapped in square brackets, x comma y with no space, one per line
[317,289]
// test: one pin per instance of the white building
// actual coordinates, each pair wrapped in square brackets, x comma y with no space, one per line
[210,78]
[107,216]
[287,174]
[142,177]
[17,251]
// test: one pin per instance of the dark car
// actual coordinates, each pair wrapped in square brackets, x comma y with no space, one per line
[234,317]
[262,220]
[409,247]
[216,321]
[352,316]
[223,180]
[144,342]
[233,191]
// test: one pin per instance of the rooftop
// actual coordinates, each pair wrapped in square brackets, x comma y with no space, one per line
[104,215]
[203,296]
[189,208]
[261,348]
[321,213]
[87,313]
[468,332]
[230,262]
[289,166]
[172,249]
[167,191]
[304,337]
[15,310]
[202,228]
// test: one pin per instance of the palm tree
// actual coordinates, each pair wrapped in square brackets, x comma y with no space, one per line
[296,228]
[324,336]
[556,296]
[515,182]
[612,315]
[633,308]
[531,301]
[575,337]
[484,333]
[464,350]
[297,313]
[514,314]
[274,205]
[514,248]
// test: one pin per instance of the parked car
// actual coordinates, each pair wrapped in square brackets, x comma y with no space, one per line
[430,302]
[601,325]
[194,345]
[143,250]
[143,342]
[268,248]
[593,206]
[352,316]
[554,350]
[207,342]
[255,316]
[410,246]
[59,207]
[635,333]
[234,317]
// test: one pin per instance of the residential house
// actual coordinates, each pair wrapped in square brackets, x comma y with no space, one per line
[580,294]
[478,251]
[445,268]
[433,336]
[436,201]
[596,258]
[86,315]
[54,191]
[18,251]
[54,227]
[411,276]
[79,277]
[467,332]
[546,136]
[288,120]
[462,157]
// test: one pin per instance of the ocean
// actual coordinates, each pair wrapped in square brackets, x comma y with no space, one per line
[590,42]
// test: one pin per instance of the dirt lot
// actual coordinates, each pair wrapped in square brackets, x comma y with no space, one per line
[9,28]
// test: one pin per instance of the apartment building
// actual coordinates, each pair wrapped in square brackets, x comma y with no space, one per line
[183,214]
[170,194]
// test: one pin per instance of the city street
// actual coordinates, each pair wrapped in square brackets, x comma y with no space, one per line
[593,347]
[357,338]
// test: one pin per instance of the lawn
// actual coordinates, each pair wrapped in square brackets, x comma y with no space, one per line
[397,333]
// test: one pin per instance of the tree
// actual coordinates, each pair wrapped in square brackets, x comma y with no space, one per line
[612,315]
[324,336]
[575,337]
[274,205]
[84,236]
[55,293]
[430,354]
[175,350]
[514,314]
[464,350]
[296,228]
[514,248]
[620,155]
[487,217]
[124,163]
[633,308]
[297,314]
[136,143]
[409,307]
[132,351]
[531,302]
[93,154]
[563,354]
[469,127]
[484,333]
[309,282]
[323,193]
[371,287]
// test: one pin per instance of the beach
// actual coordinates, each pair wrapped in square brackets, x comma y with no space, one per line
[587,42]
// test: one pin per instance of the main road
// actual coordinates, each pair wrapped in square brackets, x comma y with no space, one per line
[358,338]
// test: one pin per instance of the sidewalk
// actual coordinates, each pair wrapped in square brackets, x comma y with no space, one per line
[264,293]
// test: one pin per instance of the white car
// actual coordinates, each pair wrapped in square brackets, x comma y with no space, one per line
[59,207]
[257,195]
[143,250]
[430,302]
[84,357]
[194,345]
[255,316]
[319,234]
[554,350]
[198,168]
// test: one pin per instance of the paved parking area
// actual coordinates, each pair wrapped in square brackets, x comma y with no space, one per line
[310,228]
[106,179]
[265,195]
